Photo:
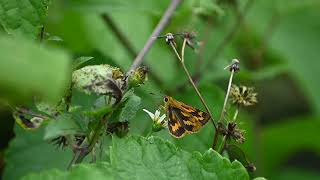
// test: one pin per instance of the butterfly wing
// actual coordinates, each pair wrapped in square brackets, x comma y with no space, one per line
[175,127]
[192,119]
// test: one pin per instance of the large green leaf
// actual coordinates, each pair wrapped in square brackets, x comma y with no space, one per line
[28,70]
[290,137]
[137,157]
[23,17]
[295,36]
[28,152]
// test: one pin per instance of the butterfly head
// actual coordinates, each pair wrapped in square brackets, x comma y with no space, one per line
[167,100]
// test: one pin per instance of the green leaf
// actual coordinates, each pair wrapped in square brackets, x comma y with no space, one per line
[137,157]
[63,125]
[28,152]
[292,135]
[131,107]
[127,108]
[295,173]
[207,8]
[295,36]
[28,70]
[80,60]
[23,17]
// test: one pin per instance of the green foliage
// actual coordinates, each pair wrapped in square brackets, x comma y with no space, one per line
[128,108]
[63,125]
[28,152]
[291,137]
[152,158]
[275,41]
[32,71]
[23,17]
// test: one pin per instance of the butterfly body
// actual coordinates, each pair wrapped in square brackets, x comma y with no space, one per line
[183,119]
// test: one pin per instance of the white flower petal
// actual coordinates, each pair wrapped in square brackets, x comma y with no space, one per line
[150,113]
[157,114]
[162,117]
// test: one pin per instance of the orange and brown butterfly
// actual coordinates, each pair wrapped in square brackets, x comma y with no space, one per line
[183,119]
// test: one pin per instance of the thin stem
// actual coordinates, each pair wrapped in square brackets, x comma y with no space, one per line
[227,96]
[235,114]
[226,40]
[223,144]
[162,23]
[215,138]
[175,51]
[190,79]
[182,50]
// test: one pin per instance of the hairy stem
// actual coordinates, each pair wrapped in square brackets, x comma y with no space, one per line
[89,143]
[162,23]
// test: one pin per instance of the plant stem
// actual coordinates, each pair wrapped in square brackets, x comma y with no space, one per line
[215,138]
[227,96]
[190,79]
[84,151]
[162,23]
[223,144]
[235,114]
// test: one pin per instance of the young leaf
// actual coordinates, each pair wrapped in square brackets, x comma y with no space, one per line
[127,108]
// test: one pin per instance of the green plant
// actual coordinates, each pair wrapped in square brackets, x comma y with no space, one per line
[64,77]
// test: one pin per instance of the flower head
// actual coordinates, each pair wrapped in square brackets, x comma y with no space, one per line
[242,95]
[158,122]
[137,76]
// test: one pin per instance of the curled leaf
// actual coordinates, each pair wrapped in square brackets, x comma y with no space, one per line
[99,79]
[28,119]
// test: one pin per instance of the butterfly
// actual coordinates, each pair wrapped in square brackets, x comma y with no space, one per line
[183,119]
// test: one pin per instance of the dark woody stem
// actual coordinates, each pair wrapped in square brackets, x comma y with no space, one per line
[181,59]
[162,23]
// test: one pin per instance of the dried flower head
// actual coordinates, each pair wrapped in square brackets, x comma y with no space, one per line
[137,76]
[243,96]
[169,37]
[120,129]
[234,66]
[190,38]
[236,133]
[232,131]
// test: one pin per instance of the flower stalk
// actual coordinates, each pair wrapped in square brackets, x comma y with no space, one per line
[181,59]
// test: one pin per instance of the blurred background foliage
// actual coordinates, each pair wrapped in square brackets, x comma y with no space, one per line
[277,43]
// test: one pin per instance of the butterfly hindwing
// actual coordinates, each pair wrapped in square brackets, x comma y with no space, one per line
[174,125]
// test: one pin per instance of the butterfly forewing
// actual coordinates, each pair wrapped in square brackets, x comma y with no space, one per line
[175,127]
